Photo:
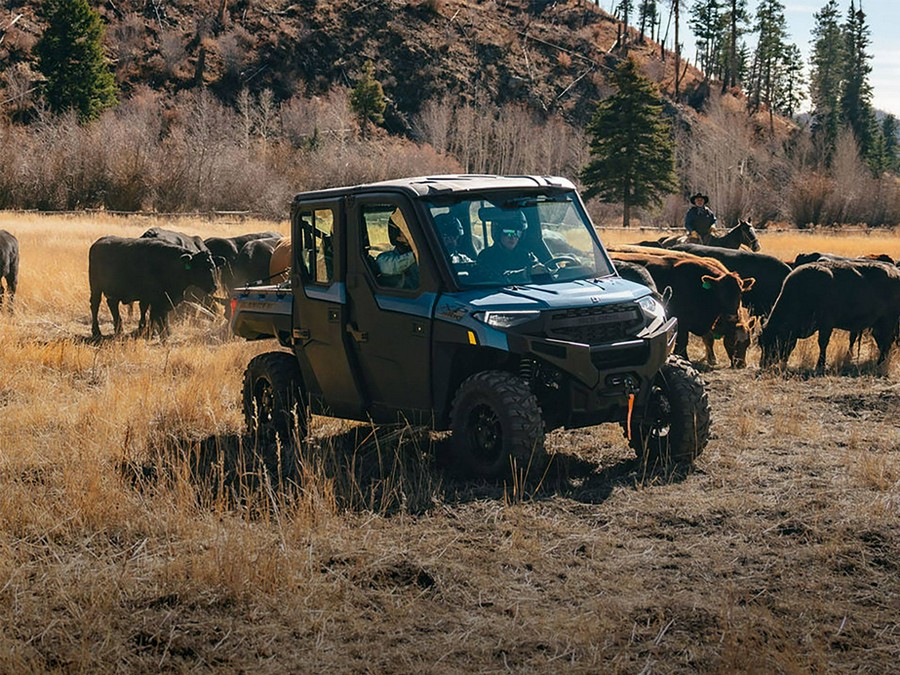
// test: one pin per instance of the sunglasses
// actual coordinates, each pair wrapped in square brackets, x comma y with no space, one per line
[511,233]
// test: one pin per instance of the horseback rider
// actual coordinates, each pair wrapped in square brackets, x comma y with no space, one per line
[700,221]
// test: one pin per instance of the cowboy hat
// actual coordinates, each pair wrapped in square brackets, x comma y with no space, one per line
[702,196]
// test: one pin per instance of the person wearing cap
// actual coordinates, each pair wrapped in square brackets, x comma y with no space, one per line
[699,220]
[398,268]
[451,229]
[507,259]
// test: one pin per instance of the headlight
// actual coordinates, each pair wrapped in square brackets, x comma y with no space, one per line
[653,309]
[508,319]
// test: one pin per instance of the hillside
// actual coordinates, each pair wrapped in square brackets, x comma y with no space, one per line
[553,56]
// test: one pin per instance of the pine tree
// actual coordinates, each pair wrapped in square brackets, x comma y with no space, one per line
[632,152]
[792,81]
[648,16]
[766,77]
[70,56]
[889,129]
[367,99]
[856,101]
[706,23]
[736,19]
[826,81]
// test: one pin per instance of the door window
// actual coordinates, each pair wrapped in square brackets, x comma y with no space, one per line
[316,256]
[388,247]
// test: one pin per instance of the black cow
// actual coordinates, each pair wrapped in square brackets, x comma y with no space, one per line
[253,260]
[191,243]
[821,296]
[151,271]
[806,258]
[228,248]
[9,267]
[704,294]
[768,271]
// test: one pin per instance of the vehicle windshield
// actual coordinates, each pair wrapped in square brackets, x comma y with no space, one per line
[506,238]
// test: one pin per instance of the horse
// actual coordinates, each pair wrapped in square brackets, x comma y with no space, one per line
[741,234]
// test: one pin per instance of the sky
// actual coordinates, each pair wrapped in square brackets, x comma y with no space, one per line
[882,18]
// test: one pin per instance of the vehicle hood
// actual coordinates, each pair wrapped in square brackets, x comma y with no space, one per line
[588,292]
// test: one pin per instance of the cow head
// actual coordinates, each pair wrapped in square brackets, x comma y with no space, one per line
[200,270]
[726,289]
[736,332]
[776,346]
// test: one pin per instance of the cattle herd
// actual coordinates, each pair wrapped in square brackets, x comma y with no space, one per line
[727,292]
[715,292]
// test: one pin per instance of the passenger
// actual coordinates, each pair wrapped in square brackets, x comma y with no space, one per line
[398,268]
[450,229]
[699,221]
[506,259]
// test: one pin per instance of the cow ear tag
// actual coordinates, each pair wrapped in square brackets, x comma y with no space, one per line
[707,285]
[187,266]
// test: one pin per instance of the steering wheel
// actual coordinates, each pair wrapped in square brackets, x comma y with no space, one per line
[557,259]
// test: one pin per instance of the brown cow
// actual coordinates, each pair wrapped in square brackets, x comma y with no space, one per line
[280,264]
[704,294]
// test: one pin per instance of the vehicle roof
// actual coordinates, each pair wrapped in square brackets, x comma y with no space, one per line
[422,186]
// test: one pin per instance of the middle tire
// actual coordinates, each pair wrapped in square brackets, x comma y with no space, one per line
[496,422]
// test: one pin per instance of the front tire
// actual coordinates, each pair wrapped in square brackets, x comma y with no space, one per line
[496,424]
[272,397]
[674,427]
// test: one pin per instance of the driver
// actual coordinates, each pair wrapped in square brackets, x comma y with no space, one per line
[699,221]
[507,259]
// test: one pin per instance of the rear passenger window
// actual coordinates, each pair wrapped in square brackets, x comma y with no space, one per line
[316,256]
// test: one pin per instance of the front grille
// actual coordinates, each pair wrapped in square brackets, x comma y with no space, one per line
[595,325]
[621,357]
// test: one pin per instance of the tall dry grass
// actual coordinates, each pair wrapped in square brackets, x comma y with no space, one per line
[139,531]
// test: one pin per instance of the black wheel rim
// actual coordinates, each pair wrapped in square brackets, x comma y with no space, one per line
[485,434]
[264,400]
[659,415]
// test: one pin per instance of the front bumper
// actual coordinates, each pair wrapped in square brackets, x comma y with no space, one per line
[597,380]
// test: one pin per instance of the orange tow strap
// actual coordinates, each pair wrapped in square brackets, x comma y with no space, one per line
[630,408]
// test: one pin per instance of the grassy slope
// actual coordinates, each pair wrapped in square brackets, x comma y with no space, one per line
[778,552]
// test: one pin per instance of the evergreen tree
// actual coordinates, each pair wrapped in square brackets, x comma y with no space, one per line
[367,99]
[632,152]
[889,130]
[70,56]
[766,77]
[732,62]
[791,81]
[706,23]
[648,16]
[826,81]
[625,9]
[856,101]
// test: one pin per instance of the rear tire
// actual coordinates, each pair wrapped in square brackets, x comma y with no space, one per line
[675,425]
[496,423]
[272,397]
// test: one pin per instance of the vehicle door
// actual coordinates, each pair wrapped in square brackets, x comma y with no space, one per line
[320,308]
[392,287]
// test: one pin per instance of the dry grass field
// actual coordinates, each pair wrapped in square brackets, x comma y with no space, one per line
[137,535]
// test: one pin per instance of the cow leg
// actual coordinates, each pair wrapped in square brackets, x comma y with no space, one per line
[96,296]
[113,304]
[681,342]
[824,339]
[2,294]
[11,284]
[885,334]
[159,318]
[710,343]
[143,305]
